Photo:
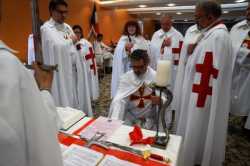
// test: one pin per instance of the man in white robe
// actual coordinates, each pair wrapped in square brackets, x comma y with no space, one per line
[27,115]
[190,38]
[69,87]
[102,52]
[206,90]
[240,35]
[134,101]
[88,59]
[129,41]
[166,44]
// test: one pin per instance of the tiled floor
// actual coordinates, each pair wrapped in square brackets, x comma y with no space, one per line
[238,143]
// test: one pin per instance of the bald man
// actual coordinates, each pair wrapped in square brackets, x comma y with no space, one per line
[166,45]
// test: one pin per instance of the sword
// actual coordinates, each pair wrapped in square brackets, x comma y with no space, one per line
[146,154]
[37,39]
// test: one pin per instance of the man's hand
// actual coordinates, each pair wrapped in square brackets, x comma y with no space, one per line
[74,39]
[167,42]
[156,100]
[43,78]
[129,46]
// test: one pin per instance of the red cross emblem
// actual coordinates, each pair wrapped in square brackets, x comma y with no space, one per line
[246,44]
[176,52]
[91,56]
[207,70]
[142,94]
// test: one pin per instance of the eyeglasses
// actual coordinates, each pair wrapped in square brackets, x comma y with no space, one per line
[61,12]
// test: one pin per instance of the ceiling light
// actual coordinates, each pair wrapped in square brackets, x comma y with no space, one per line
[186,20]
[171,4]
[225,12]
[179,13]
[239,1]
[158,13]
[142,6]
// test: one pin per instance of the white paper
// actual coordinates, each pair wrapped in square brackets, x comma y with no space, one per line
[77,155]
[103,125]
[113,161]
[69,116]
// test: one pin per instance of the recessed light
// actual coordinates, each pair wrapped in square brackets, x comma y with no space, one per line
[142,6]
[158,13]
[239,1]
[225,12]
[171,4]
[186,20]
[179,13]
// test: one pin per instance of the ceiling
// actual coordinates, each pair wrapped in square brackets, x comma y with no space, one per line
[183,9]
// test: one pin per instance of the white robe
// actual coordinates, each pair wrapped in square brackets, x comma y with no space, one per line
[69,87]
[203,121]
[31,52]
[27,125]
[240,104]
[121,60]
[169,52]
[102,52]
[91,74]
[129,83]
[190,36]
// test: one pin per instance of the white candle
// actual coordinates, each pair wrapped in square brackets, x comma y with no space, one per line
[163,73]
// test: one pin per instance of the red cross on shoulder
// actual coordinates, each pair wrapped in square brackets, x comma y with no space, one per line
[91,56]
[207,70]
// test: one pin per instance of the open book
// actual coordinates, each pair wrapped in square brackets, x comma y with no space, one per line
[69,116]
[77,155]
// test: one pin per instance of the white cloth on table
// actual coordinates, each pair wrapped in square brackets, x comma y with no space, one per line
[240,104]
[121,60]
[27,123]
[86,52]
[205,101]
[171,53]
[69,87]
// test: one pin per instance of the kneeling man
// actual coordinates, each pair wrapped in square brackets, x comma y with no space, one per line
[135,100]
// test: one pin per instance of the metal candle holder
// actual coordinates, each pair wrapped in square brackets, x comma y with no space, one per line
[162,141]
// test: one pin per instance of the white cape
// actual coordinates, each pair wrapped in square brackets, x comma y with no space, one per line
[92,74]
[121,61]
[129,84]
[28,134]
[69,85]
[240,104]
[203,120]
[191,33]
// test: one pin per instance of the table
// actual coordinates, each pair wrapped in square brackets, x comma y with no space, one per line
[120,136]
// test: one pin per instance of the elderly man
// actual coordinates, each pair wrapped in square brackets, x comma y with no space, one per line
[27,115]
[69,87]
[134,99]
[166,44]
[205,99]
[240,35]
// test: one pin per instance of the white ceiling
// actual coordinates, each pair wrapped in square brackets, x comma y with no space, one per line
[186,7]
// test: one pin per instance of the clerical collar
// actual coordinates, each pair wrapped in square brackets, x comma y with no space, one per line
[214,24]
